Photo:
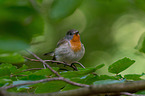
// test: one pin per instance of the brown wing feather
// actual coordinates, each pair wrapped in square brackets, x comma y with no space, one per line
[62,41]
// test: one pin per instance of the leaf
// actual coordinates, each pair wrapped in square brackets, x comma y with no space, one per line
[3,81]
[108,82]
[74,74]
[4,71]
[63,8]
[7,69]
[133,76]
[24,67]
[141,43]
[70,87]
[31,77]
[120,65]
[20,88]
[140,93]
[45,72]
[52,86]
[11,58]
[91,78]
[11,45]
[104,77]
[17,30]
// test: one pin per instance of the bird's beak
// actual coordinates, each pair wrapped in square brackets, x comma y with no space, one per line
[77,32]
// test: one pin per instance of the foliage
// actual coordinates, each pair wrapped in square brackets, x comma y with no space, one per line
[110,31]
[14,75]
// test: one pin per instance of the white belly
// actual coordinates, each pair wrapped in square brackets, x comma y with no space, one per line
[66,54]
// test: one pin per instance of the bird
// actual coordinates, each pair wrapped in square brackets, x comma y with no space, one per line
[69,49]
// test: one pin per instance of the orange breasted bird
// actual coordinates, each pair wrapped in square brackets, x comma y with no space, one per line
[69,49]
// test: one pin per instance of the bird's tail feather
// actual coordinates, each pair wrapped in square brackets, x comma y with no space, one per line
[50,54]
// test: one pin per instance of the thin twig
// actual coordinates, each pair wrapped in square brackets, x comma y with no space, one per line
[58,62]
[96,89]
[31,59]
[44,63]
[46,80]
[79,64]
[126,93]
[32,69]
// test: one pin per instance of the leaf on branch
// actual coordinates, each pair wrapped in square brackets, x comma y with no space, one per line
[133,76]
[11,58]
[108,81]
[104,77]
[52,86]
[63,8]
[7,69]
[4,80]
[80,73]
[45,72]
[141,43]
[23,87]
[120,65]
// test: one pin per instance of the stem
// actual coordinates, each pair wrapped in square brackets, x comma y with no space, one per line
[46,80]
[44,63]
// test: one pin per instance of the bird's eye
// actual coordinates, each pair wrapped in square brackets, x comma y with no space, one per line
[70,33]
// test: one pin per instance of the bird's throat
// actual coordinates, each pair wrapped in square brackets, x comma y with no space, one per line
[76,43]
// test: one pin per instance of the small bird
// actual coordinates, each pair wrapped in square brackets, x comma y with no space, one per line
[69,49]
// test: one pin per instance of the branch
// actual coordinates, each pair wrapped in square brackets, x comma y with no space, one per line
[44,63]
[121,88]
[58,62]
[46,80]
[127,94]
[79,64]
[32,69]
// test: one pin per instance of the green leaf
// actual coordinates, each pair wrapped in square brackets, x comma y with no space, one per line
[108,82]
[120,65]
[17,30]
[140,93]
[23,87]
[24,67]
[91,78]
[133,76]
[45,72]
[104,77]
[11,45]
[82,72]
[63,8]
[36,77]
[3,81]
[70,87]
[52,86]
[7,69]
[141,43]
[4,71]
[11,58]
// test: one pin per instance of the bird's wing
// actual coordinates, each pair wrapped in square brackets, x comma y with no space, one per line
[62,41]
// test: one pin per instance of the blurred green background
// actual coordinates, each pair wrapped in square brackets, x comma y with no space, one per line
[109,29]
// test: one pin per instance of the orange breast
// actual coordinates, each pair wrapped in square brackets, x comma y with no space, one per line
[76,43]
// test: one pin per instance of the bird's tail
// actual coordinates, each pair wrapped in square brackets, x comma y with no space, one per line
[50,54]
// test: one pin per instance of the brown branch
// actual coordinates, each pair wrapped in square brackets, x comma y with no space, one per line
[31,59]
[79,64]
[46,80]
[44,63]
[58,62]
[96,89]
[32,69]
[127,94]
